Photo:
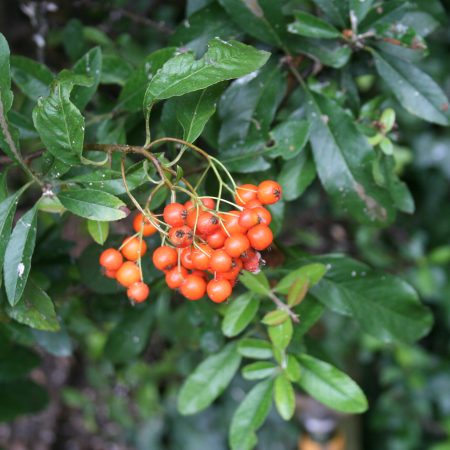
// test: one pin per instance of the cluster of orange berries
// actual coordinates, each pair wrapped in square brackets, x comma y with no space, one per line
[207,248]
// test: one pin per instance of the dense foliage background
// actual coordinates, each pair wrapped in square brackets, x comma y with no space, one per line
[343,112]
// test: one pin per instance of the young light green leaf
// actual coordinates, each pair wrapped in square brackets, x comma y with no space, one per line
[257,283]
[293,370]
[387,119]
[35,310]
[284,397]
[386,146]
[415,90]
[183,74]
[281,334]
[98,230]
[255,348]
[92,204]
[32,77]
[309,312]
[258,370]
[311,26]
[239,314]
[91,65]
[330,386]
[59,122]
[249,416]
[312,273]
[276,317]
[209,380]
[297,291]
[18,256]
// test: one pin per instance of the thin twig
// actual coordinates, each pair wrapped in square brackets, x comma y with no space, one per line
[283,307]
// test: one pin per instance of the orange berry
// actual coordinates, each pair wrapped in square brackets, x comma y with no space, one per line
[128,274]
[260,237]
[175,214]
[220,261]
[248,218]
[231,222]
[186,258]
[245,193]
[175,277]
[143,223]
[236,244]
[111,259]
[164,257]
[193,287]
[217,239]
[219,290]
[269,192]
[133,248]
[201,257]
[181,236]
[138,292]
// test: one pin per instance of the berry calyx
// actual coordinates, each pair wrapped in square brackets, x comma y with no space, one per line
[181,236]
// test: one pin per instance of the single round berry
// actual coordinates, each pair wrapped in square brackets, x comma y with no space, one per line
[201,256]
[143,223]
[245,193]
[175,277]
[260,237]
[269,192]
[207,223]
[248,218]
[192,217]
[217,239]
[193,287]
[263,214]
[133,248]
[128,274]
[138,292]
[232,274]
[111,259]
[231,222]
[164,257]
[219,290]
[175,214]
[236,244]
[255,203]
[220,261]
[181,236]
[186,258]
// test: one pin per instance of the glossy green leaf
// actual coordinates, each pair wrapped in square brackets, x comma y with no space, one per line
[32,77]
[132,94]
[19,252]
[391,12]
[115,70]
[239,314]
[3,186]
[329,53]
[257,283]
[330,386]
[281,334]
[284,396]
[288,139]
[275,317]
[21,397]
[183,73]
[309,312]
[415,90]
[360,8]
[293,370]
[17,362]
[90,65]
[130,336]
[343,160]
[56,343]
[59,122]
[297,291]
[195,109]
[249,416]
[255,348]
[93,204]
[258,370]
[98,230]
[312,26]
[6,95]
[313,273]
[209,380]
[385,306]
[296,175]
[35,310]
[335,10]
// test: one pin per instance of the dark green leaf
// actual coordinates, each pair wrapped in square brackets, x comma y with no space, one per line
[17,362]
[6,96]
[35,309]
[249,416]
[257,283]
[3,188]
[115,70]
[239,314]
[311,26]
[288,139]
[209,380]
[255,348]
[415,90]
[391,12]
[183,74]
[93,204]
[284,396]
[331,386]
[18,255]
[309,312]
[343,159]
[360,8]
[258,370]
[335,10]
[98,230]
[57,344]
[32,77]
[329,53]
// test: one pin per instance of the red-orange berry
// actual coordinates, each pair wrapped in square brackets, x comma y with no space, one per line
[138,292]
[128,274]
[248,218]
[207,223]
[263,214]
[175,277]
[186,258]
[236,244]
[193,287]
[201,256]
[269,192]
[111,259]
[110,273]
[133,248]
[260,237]
[175,214]
[143,223]
[231,222]
[220,261]
[164,257]
[245,193]
[255,203]
[217,239]
[219,290]
[181,236]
